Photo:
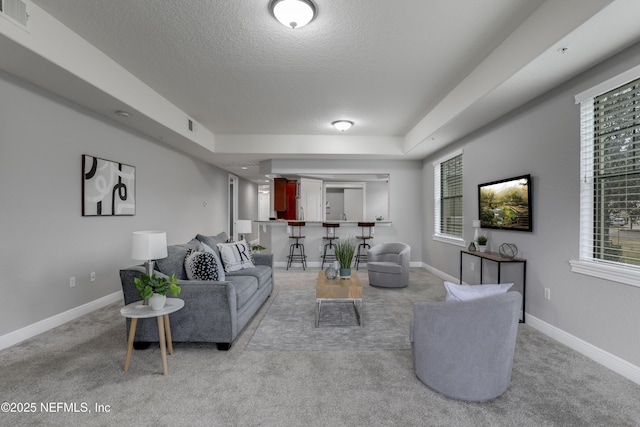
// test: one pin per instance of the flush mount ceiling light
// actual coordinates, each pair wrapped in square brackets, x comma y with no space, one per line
[342,125]
[293,13]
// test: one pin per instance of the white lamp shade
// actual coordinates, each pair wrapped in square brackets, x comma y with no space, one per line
[243,226]
[293,13]
[476,223]
[149,245]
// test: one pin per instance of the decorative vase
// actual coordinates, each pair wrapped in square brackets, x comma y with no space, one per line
[157,301]
[472,246]
[345,273]
[330,273]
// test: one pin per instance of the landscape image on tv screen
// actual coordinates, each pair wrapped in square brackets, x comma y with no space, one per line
[505,204]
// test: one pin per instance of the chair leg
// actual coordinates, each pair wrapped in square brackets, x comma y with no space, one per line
[303,257]
[291,247]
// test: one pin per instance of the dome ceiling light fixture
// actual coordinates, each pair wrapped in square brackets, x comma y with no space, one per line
[293,13]
[342,125]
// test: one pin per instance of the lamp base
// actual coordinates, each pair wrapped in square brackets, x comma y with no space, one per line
[149,266]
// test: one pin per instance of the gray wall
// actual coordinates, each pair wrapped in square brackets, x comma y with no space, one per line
[543,139]
[45,239]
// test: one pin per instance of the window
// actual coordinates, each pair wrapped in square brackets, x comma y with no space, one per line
[448,198]
[610,183]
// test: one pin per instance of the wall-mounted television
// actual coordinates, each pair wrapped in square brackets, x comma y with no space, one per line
[506,204]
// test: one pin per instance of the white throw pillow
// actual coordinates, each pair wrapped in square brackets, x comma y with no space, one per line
[236,256]
[457,292]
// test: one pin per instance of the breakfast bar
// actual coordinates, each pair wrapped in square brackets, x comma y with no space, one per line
[275,236]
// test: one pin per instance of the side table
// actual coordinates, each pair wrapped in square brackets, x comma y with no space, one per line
[136,310]
[499,259]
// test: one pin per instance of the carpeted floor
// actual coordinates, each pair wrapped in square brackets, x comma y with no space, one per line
[73,376]
[290,325]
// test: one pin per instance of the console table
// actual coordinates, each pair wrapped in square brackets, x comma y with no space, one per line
[499,259]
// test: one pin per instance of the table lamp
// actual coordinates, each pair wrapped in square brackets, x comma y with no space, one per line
[149,246]
[243,227]
[476,225]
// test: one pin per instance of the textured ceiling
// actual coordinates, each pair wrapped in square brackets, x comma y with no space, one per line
[414,75]
[235,69]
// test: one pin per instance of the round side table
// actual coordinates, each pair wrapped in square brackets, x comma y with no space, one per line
[136,310]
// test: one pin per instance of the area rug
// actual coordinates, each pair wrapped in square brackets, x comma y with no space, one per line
[289,325]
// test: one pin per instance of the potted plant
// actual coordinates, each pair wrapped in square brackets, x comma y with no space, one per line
[482,243]
[345,249]
[156,288]
[257,248]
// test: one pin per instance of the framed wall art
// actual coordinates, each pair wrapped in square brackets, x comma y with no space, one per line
[506,204]
[108,188]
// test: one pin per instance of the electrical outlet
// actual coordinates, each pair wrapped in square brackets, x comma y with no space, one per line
[72,282]
[93,276]
[472,267]
[547,294]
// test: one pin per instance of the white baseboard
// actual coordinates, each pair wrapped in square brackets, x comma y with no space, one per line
[441,274]
[44,325]
[608,360]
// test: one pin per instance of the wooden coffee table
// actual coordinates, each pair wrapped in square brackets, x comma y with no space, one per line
[339,290]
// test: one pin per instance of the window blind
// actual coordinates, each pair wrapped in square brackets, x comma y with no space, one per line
[448,197]
[610,170]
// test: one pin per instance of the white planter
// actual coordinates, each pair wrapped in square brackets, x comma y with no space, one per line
[482,248]
[157,301]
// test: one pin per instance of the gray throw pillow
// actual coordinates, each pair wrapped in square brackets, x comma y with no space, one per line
[174,262]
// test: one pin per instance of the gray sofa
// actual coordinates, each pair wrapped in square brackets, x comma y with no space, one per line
[214,311]
[465,349]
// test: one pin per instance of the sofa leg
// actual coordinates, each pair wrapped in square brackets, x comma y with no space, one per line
[141,345]
[223,346]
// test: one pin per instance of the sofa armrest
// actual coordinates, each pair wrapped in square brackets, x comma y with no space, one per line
[209,314]
[263,259]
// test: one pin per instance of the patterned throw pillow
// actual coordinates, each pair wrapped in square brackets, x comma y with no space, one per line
[216,254]
[200,266]
[236,256]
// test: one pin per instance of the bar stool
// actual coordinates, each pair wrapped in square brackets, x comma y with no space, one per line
[296,233]
[367,229]
[330,235]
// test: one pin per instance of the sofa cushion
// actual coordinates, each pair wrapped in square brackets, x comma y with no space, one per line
[246,287]
[457,292]
[201,265]
[212,241]
[236,256]
[174,262]
[261,272]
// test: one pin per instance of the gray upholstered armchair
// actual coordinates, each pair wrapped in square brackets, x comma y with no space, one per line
[388,265]
[465,349]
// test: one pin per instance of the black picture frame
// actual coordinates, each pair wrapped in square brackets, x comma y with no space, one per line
[506,204]
[108,187]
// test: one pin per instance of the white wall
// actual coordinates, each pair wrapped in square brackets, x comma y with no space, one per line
[46,240]
[543,139]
